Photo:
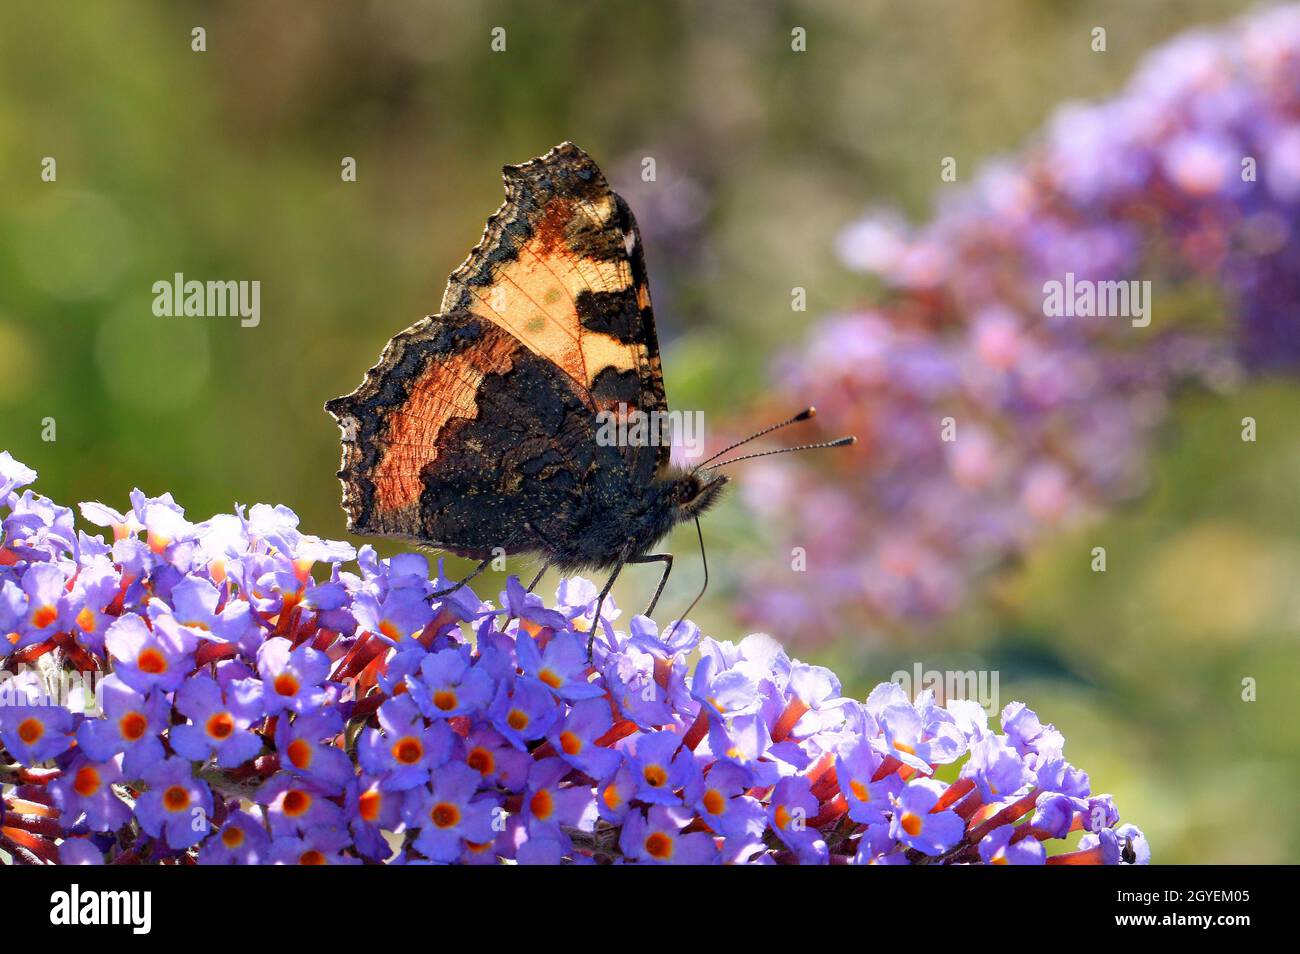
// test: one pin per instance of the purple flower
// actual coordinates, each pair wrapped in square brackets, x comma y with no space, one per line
[997,848]
[295,804]
[292,678]
[791,814]
[657,838]
[34,734]
[319,846]
[85,792]
[131,724]
[523,712]
[548,805]
[242,840]
[448,815]
[575,738]
[449,684]
[915,826]
[562,666]
[147,659]
[403,751]
[176,807]
[219,722]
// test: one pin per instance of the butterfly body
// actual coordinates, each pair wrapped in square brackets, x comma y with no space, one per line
[476,432]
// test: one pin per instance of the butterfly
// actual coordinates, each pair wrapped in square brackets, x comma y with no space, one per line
[477,431]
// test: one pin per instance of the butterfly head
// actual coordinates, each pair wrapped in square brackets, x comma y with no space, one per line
[691,493]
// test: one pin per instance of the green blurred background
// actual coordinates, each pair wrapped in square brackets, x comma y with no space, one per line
[225,165]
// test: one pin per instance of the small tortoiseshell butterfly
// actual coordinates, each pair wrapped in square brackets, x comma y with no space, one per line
[476,433]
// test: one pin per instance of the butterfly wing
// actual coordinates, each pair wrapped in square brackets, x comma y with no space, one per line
[560,267]
[462,438]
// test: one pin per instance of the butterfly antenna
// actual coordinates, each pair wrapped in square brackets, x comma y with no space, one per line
[704,560]
[806,414]
[841,442]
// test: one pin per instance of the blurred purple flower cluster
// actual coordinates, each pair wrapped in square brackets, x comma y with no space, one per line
[985,418]
[246,711]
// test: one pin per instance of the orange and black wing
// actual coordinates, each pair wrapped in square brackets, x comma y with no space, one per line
[560,267]
[463,439]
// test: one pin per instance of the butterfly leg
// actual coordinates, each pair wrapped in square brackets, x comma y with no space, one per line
[454,587]
[704,561]
[667,560]
[538,578]
[600,604]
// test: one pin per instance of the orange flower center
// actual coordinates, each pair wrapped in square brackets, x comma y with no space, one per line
[232,837]
[176,799]
[481,760]
[541,804]
[299,753]
[44,616]
[782,817]
[286,684]
[860,791]
[86,620]
[911,823]
[659,845]
[220,725]
[369,803]
[444,815]
[30,731]
[570,743]
[408,750]
[444,699]
[311,857]
[86,782]
[517,719]
[714,802]
[151,661]
[132,726]
[655,776]
[296,802]
[611,797]
[551,678]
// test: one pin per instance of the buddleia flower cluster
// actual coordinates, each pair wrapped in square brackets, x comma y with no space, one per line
[257,703]
[988,419]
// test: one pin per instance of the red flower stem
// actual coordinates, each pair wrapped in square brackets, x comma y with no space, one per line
[1005,815]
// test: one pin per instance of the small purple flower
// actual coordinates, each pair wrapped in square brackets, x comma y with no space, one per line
[657,838]
[131,724]
[997,848]
[219,722]
[176,807]
[403,751]
[562,666]
[148,659]
[242,840]
[449,684]
[575,738]
[658,766]
[319,846]
[34,734]
[548,806]
[718,798]
[523,712]
[84,794]
[292,678]
[449,815]
[791,813]
[296,804]
[915,826]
